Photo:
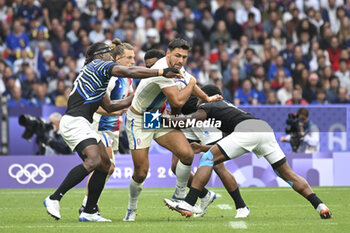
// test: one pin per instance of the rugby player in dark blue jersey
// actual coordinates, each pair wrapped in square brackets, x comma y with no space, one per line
[87,95]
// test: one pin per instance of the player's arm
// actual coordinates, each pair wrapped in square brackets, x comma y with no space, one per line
[141,72]
[178,98]
[204,97]
[197,148]
[116,105]
[101,111]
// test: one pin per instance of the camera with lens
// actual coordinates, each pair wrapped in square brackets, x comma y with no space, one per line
[294,131]
[36,125]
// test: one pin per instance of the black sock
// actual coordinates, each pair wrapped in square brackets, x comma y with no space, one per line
[192,196]
[95,187]
[203,193]
[236,196]
[314,200]
[74,177]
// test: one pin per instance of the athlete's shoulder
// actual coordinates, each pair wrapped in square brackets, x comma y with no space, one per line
[160,64]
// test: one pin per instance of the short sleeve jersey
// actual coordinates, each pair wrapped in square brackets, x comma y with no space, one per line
[229,115]
[89,88]
[149,95]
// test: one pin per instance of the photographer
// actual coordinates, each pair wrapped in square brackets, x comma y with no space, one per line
[48,138]
[304,136]
[55,143]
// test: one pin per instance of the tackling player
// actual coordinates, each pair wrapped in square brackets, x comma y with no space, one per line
[246,133]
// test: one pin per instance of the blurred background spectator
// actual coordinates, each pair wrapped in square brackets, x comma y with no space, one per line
[257,52]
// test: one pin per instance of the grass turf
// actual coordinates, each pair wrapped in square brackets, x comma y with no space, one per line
[272,210]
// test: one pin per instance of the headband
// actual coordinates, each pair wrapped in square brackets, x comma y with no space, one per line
[102,50]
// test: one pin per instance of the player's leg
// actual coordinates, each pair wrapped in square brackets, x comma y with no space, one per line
[232,188]
[110,172]
[225,149]
[89,151]
[300,185]
[141,167]
[269,148]
[176,142]
[200,179]
[107,139]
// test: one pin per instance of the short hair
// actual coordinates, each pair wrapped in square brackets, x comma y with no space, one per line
[154,53]
[211,90]
[190,106]
[303,111]
[179,43]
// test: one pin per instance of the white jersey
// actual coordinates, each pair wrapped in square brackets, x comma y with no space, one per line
[149,95]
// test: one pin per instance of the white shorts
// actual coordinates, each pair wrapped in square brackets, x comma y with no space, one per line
[110,139]
[76,129]
[204,136]
[140,138]
[252,135]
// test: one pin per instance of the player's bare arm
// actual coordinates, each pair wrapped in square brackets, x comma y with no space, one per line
[204,97]
[178,98]
[101,111]
[116,105]
[141,72]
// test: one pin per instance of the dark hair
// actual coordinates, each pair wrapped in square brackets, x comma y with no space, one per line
[90,54]
[190,106]
[303,111]
[211,90]
[179,43]
[342,60]
[154,53]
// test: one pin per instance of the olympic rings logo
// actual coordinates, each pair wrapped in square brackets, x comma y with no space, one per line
[31,172]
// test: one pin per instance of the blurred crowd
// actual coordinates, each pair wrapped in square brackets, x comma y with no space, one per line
[258,52]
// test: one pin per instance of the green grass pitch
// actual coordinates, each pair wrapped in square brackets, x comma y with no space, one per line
[272,210]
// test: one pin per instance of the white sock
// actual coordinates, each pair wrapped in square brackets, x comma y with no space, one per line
[183,173]
[134,193]
[85,200]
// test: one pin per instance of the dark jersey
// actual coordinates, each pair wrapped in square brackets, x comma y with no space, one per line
[89,89]
[227,113]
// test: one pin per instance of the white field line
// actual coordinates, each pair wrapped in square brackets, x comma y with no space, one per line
[238,225]
[224,207]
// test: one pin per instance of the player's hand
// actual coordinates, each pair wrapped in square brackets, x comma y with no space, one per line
[214,98]
[196,147]
[171,72]
[283,139]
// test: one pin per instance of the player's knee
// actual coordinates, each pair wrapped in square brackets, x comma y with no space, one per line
[92,163]
[140,174]
[186,157]
[206,159]
[111,169]
[219,168]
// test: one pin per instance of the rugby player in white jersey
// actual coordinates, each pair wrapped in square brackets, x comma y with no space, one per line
[151,96]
